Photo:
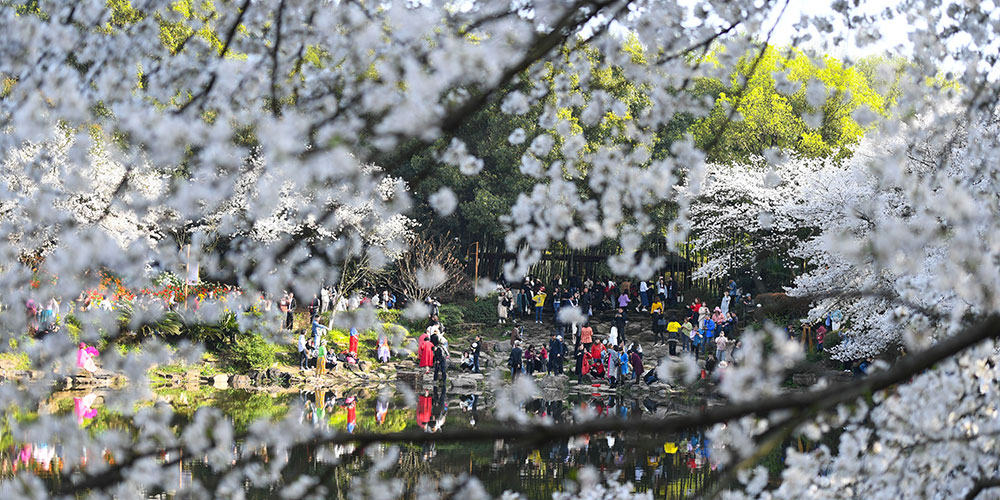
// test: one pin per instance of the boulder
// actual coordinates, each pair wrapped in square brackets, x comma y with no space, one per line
[553,382]
[804,379]
[241,382]
[364,365]
[466,379]
[220,381]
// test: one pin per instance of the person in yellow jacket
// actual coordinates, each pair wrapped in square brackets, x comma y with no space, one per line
[539,299]
[657,306]
[674,336]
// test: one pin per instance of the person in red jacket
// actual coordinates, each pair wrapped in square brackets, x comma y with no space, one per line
[425,353]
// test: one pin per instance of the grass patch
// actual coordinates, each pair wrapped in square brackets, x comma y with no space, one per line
[15,361]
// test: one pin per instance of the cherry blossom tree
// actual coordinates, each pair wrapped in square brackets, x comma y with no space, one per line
[247,130]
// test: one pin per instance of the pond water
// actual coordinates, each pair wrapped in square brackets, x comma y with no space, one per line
[670,466]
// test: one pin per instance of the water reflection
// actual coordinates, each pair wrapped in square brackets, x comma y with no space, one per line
[668,466]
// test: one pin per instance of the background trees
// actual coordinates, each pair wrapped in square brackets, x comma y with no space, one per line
[258,123]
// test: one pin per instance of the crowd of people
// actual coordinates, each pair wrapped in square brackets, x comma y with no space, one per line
[697,328]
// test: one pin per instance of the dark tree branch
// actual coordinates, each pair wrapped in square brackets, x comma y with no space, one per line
[982,484]
[230,36]
[275,108]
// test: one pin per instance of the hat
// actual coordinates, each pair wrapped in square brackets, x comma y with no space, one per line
[717,308]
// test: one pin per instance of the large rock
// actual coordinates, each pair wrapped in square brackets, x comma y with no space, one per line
[220,381]
[241,382]
[364,365]
[466,380]
[552,382]
[804,379]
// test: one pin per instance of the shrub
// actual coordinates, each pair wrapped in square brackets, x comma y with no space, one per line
[388,315]
[780,308]
[251,351]
[484,311]
[831,340]
[451,314]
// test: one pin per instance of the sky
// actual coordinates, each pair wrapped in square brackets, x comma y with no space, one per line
[894,32]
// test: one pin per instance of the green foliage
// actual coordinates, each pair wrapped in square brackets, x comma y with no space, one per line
[15,361]
[246,407]
[73,327]
[765,117]
[482,311]
[831,340]
[388,315]
[451,314]
[252,351]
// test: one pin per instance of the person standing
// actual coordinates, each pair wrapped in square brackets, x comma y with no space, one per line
[619,323]
[586,306]
[324,296]
[614,364]
[503,305]
[383,351]
[586,336]
[524,298]
[314,306]
[644,295]
[290,315]
[476,347]
[747,304]
[539,299]
[353,342]
[321,358]
[303,352]
[724,307]
[623,302]
[721,344]
[515,360]
[440,358]
[283,307]
[674,336]
[553,354]
[556,304]
[425,353]
[317,331]
[636,360]
[659,322]
[671,291]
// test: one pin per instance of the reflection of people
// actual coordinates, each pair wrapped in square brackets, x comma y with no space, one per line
[381,408]
[424,403]
[82,408]
[471,404]
[352,417]
[440,408]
